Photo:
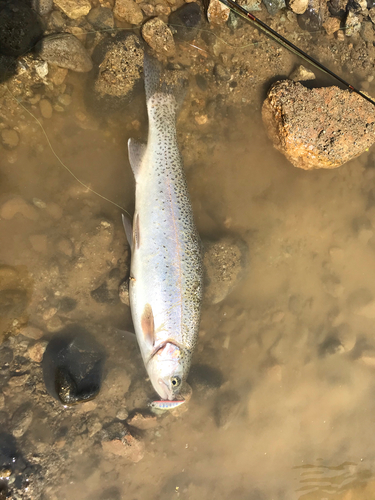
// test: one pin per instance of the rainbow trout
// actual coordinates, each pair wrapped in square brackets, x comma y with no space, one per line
[165,286]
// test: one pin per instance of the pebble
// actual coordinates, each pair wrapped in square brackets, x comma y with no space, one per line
[371,14]
[9,138]
[158,36]
[352,24]
[302,74]
[129,11]
[66,51]
[312,19]
[49,313]
[21,420]
[117,440]
[18,205]
[224,263]
[298,6]
[57,75]
[221,73]
[42,69]
[2,400]
[162,10]
[65,99]
[273,6]
[122,414]
[217,13]
[36,351]
[74,8]
[186,21]
[148,9]
[329,125]
[54,324]
[19,380]
[42,7]
[331,25]
[45,107]
[32,332]
[101,18]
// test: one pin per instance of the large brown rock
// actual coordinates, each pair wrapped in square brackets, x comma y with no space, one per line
[318,128]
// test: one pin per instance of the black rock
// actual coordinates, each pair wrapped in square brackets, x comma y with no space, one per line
[205,380]
[201,81]
[8,67]
[6,356]
[312,19]
[72,366]
[337,8]
[186,21]
[20,28]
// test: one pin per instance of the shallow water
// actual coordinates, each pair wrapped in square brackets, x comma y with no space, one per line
[292,416]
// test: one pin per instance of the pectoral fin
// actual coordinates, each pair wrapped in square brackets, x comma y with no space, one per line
[147,325]
[136,152]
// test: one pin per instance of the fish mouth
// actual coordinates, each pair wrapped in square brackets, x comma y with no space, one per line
[164,391]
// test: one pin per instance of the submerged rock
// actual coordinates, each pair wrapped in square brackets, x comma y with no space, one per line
[118,440]
[318,128]
[129,11]
[158,36]
[66,51]
[224,262]
[301,74]
[118,68]
[298,6]
[352,24]
[331,25]
[217,13]
[101,18]
[314,16]
[20,28]
[186,21]
[42,7]
[74,8]
[273,6]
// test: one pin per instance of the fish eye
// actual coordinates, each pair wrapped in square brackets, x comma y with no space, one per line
[176,381]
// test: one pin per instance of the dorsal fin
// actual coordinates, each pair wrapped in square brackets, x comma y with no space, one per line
[136,152]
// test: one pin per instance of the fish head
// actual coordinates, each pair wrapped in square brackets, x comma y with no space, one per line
[167,371]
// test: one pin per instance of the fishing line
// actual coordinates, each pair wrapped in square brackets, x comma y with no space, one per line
[238,9]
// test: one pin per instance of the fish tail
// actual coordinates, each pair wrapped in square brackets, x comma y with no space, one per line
[162,87]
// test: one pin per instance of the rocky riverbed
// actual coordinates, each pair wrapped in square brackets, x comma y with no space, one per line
[282,383]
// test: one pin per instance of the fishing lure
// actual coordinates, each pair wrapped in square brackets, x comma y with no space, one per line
[164,404]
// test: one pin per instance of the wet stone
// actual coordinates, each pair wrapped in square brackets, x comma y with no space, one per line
[18,205]
[74,8]
[117,440]
[298,6]
[36,351]
[42,7]
[148,9]
[117,77]
[186,21]
[217,13]
[224,263]
[66,51]
[101,18]
[45,108]
[273,6]
[20,28]
[129,11]
[301,74]
[21,420]
[72,366]
[9,138]
[320,127]
[352,24]
[221,73]
[158,36]
[313,18]
[6,356]
[331,25]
